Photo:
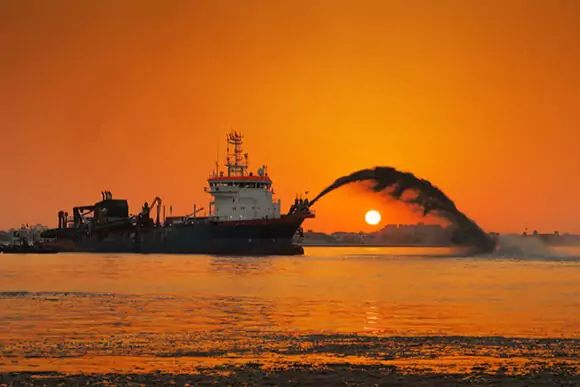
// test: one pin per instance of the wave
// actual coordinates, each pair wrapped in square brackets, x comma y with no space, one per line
[519,247]
[25,293]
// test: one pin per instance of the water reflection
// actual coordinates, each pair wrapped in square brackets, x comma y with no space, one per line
[329,300]
[372,318]
[109,268]
[241,265]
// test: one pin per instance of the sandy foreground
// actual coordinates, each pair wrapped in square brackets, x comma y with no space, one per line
[305,360]
[338,374]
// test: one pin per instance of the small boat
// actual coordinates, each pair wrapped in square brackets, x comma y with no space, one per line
[21,246]
[25,249]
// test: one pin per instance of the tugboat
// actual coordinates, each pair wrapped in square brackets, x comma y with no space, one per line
[242,219]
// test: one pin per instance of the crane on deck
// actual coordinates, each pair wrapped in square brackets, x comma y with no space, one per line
[147,210]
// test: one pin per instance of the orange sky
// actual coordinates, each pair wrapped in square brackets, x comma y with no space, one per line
[480,97]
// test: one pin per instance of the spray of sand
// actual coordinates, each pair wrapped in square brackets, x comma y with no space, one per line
[419,193]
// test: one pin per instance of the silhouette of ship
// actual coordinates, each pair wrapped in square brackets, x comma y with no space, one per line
[242,219]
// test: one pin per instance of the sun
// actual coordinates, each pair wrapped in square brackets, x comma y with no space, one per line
[373,217]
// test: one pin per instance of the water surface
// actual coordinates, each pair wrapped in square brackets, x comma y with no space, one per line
[88,312]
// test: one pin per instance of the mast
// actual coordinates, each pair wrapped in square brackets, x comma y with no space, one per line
[237,162]
[217,160]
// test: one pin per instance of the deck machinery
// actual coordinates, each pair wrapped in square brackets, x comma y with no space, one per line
[242,218]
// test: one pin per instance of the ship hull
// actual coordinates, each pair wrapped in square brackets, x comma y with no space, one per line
[251,237]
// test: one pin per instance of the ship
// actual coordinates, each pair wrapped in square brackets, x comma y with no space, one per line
[242,219]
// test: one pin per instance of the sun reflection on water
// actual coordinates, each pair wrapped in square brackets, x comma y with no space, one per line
[368,305]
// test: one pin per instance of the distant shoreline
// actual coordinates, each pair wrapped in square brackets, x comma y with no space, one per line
[547,243]
[372,245]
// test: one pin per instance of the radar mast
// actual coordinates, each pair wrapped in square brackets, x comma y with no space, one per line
[237,161]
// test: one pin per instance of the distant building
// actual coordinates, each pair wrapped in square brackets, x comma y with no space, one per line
[413,234]
[348,237]
[312,237]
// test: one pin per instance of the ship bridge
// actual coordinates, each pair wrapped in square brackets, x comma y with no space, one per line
[239,194]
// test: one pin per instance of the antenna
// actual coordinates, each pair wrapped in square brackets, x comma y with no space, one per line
[217,157]
[237,163]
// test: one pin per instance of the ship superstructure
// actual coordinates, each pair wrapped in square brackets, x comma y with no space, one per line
[239,194]
[243,218]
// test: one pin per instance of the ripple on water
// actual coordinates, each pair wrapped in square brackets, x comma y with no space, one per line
[360,305]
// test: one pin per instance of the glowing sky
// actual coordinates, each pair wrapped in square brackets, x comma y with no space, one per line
[480,97]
